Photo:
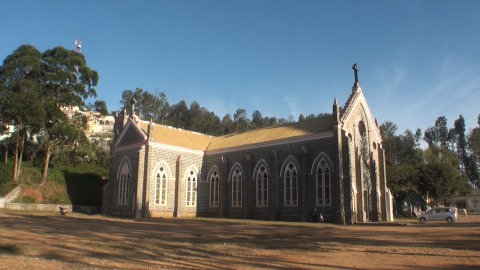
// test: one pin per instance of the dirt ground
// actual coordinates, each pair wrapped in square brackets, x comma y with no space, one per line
[49,241]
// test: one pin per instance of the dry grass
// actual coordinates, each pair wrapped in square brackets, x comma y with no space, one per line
[96,242]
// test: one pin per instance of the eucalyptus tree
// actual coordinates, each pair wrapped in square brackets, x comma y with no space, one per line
[240,120]
[67,81]
[100,106]
[21,97]
[258,121]
[438,134]
[226,125]
[178,116]
[473,163]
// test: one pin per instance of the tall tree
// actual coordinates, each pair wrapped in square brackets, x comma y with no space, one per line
[21,97]
[257,120]
[100,106]
[240,120]
[178,115]
[438,134]
[473,164]
[68,81]
[226,124]
[439,177]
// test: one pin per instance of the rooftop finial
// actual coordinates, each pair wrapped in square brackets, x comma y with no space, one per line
[356,69]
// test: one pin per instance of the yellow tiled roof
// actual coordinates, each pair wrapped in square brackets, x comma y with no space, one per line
[178,137]
[306,127]
[196,141]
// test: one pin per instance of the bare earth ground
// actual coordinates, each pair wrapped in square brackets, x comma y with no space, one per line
[49,241]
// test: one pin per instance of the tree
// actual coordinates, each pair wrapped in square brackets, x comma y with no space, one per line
[68,81]
[21,98]
[240,121]
[439,178]
[438,135]
[257,120]
[100,106]
[226,124]
[130,98]
[473,163]
[178,115]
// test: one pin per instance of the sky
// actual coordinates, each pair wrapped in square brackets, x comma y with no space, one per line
[418,59]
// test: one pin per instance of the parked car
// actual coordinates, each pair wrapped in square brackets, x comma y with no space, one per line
[448,214]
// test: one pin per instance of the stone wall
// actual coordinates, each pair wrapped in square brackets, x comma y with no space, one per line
[53,208]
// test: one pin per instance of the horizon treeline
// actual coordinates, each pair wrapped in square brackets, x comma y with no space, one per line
[194,117]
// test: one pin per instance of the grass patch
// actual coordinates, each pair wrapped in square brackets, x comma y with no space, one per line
[10,249]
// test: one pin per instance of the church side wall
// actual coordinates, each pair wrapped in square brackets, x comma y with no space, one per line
[302,154]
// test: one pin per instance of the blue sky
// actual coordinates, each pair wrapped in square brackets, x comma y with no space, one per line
[418,59]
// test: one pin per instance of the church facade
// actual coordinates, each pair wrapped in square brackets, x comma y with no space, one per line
[333,164]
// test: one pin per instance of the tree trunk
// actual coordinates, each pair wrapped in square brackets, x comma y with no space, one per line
[19,164]
[45,165]
[5,158]
[15,162]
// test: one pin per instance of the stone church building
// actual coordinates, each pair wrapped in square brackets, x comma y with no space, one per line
[334,163]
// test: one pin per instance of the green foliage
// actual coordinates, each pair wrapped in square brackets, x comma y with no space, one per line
[100,106]
[6,178]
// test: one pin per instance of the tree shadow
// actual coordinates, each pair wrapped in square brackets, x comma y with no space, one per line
[84,189]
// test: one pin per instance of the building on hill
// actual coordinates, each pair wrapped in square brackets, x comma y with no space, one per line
[99,128]
[334,164]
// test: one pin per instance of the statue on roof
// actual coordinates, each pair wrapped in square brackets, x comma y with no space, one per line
[356,69]
[133,105]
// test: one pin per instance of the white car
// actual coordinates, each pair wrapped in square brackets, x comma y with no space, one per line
[448,214]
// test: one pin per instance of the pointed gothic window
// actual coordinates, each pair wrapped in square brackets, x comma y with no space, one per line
[323,184]
[291,185]
[161,187]
[237,188]
[123,184]
[262,187]
[214,189]
[191,189]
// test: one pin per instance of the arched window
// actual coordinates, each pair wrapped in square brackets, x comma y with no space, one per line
[291,185]
[123,184]
[237,188]
[191,189]
[214,189]
[262,187]
[323,184]
[161,187]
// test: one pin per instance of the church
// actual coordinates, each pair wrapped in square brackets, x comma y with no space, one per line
[333,164]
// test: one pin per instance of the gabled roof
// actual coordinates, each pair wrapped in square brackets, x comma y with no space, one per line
[131,134]
[197,141]
[357,98]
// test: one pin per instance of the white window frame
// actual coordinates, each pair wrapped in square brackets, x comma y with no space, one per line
[214,189]
[124,184]
[261,187]
[191,193]
[290,185]
[324,184]
[237,188]
[161,186]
